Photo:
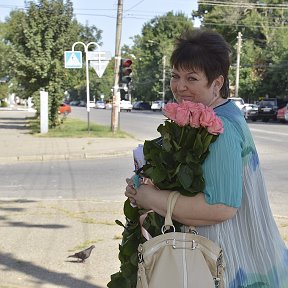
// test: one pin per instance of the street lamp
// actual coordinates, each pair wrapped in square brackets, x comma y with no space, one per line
[163,72]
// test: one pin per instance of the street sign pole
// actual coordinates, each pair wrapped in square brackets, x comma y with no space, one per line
[99,59]
[87,92]
[87,77]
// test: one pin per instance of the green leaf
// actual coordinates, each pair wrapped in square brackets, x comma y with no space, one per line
[198,146]
[119,223]
[127,268]
[185,176]
[118,281]
[180,156]
[176,171]
[167,143]
[134,259]
[130,212]
[198,184]
[207,141]
[129,247]
[159,174]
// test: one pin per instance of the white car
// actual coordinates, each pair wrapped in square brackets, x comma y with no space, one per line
[125,105]
[238,101]
[100,105]
[157,105]
[249,110]
[92,104]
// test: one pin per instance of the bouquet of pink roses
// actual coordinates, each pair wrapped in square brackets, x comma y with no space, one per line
[186,136]
[173,162]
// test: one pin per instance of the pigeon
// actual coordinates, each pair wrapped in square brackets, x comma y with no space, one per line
[82,255]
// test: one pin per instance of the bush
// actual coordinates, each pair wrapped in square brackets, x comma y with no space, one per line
[4,104]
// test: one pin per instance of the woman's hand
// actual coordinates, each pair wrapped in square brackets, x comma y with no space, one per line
[143,195]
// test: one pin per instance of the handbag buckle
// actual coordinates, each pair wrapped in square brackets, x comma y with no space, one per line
[140,254]
[217,281]
[166,228]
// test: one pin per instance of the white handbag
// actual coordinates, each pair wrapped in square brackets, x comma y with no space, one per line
[179,260]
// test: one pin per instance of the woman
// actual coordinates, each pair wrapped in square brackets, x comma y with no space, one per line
[233,209]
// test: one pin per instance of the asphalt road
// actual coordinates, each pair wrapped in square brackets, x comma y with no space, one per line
[78,179]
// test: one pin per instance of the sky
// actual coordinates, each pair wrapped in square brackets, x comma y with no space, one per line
[103,13]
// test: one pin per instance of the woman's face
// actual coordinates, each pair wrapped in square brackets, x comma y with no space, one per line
[193,86]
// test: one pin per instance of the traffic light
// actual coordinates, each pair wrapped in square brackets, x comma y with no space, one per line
[125,71]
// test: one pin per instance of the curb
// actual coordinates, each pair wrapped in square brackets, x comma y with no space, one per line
[79,156]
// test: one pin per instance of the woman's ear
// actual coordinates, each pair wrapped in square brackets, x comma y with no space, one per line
[218,83]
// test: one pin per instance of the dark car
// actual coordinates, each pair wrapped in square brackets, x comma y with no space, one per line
[268,109]
[140,105]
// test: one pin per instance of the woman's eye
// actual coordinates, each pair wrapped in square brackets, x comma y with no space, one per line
[190,79]
[174,76]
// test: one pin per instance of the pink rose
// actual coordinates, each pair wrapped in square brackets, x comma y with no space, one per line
[196,111]
[182,115]
[207,117]
[170,110]
[195,119]
[216,127]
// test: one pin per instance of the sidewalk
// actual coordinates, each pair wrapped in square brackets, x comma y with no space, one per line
[37,235]
[16,144]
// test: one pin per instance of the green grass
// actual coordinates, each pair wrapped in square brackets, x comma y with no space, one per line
[76,128]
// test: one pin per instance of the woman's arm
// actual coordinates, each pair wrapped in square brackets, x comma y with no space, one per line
[190,211]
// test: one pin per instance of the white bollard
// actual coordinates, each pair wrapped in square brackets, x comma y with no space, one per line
[43,112]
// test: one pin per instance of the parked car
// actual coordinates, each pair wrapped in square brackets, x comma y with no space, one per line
[82,104]
[140,105]
[100,105]
[250,110]
[92,104]
[75,103]
[238,101]
[125,105]
[64,109]
[108,105]
[157,105]
[282,114]
[268,109]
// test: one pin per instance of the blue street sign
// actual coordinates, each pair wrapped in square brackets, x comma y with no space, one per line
[73,59]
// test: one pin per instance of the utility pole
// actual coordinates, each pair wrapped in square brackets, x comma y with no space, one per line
[163,84]
[239,37]
[116,93]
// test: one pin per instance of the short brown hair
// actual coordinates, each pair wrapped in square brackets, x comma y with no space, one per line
[206,51]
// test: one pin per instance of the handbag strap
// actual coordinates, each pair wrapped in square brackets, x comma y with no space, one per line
[171,201]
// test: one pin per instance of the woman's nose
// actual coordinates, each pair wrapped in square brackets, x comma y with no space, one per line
[181,85]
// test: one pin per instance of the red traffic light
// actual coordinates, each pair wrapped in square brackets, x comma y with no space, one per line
[125,71]
[126,62]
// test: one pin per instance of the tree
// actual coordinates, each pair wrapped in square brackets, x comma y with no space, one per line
[264,34]
[37,39]
[157,40]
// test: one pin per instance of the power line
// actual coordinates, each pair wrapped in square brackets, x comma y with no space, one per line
[242,4]
[248,26]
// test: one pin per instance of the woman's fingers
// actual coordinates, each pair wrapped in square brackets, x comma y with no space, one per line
[132,201]
[130,191]
[129,181]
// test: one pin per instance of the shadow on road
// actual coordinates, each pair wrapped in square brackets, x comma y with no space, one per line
[42,276]
[26,225]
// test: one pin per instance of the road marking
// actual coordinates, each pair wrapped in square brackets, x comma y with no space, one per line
[269,132]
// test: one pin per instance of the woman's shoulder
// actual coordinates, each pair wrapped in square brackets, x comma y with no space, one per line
[232,117]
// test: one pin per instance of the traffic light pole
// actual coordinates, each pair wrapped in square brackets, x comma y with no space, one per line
[116,93]
[164,79]
[239,37]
